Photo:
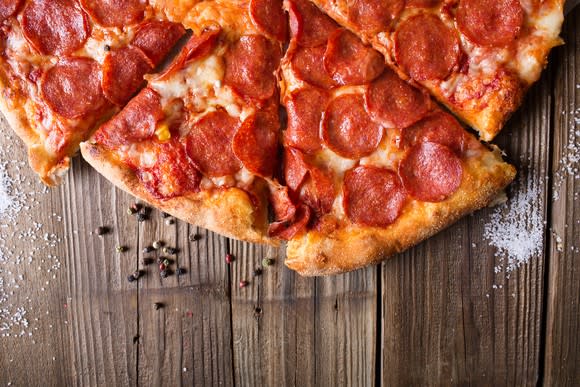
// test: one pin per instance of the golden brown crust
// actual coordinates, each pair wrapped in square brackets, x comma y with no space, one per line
[228,212]
[353,247]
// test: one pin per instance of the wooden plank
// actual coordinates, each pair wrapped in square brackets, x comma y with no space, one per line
[301,331]
[188,340]
[102,303]
[563,304]
[448,317]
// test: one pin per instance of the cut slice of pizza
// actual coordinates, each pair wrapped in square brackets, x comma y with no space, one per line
[371,165]
[478,57]
[201,141]
[66,66]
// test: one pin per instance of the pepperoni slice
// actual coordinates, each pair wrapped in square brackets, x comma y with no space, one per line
[284,209]
[55,26]
[123,72]
[156,38]
[115,13]
[308,65]
[423,3]
[349,61]
[394,102]
[373,196]
[438,127]
[490,23]
[250,67]
[172,175]
[8,8]
[318,191]
[431,172]
[136,122]
[269,17]
[308,25]
[305,109]
[72,88]
[256,142]
[374,16]
[209,144]
[295,168]
[426,48]
[197,47]
[289,229]
[348,130]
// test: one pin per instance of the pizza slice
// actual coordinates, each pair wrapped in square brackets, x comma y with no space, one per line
[201,141]
[371,165]
[67,65]
[477,57]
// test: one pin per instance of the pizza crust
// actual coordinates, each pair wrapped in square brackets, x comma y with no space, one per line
[352,247]
[229,212]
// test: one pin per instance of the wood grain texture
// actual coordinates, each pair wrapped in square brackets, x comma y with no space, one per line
[449,319]
[563,305]
[301,331]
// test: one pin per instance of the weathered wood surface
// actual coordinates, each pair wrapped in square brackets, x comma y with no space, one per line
[430,316]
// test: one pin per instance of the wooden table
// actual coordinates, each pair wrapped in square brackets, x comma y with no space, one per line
[435,315]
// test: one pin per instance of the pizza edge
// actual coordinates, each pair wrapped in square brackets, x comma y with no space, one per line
[353,247]
[228,212]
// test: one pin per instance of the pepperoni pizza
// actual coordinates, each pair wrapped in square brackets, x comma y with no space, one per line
[371,164]
[362,164]
[65,66]
[201,140]
[478,57]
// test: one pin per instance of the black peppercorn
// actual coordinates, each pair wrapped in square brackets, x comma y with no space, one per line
[180,271]
[164,273]
[107,48]
[141,217]
[157,305]
[194,237]
[148,249]
[101,230]
[257,272]
[131,278]
[165,215]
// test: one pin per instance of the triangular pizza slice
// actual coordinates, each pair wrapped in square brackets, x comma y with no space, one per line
[67,65]
[201,141]
[371,165]
[478,57]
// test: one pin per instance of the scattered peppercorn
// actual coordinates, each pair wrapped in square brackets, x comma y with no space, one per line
[131,278]
[169,250]
[144,210]
[136,207]
[147,261]
[230,258]
[131,211]
[166,262]
[165,215]
[148,249]
[267,262]
[160,260]
[162,266]
[141,217]
[180,271]
[257,310]
[243,283]
[101,230]
[137,274]
[194,237]
[257,272]
[157,245]
[107,48]
[121,249]
[164,273]
[169,222]
[135,339]
[157,305]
